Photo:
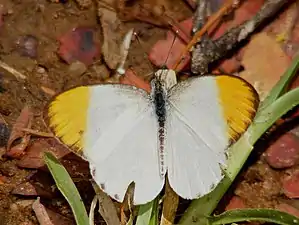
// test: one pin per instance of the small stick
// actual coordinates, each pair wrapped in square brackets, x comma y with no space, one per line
[222,11]
[14,72]
[3,119]
[37,133]
[209,51]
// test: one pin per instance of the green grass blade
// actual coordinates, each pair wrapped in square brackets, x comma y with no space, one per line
[146,213]
[244,215]
[200,208]
[155,213]
[67,187]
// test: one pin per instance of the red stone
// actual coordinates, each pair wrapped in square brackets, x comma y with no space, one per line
[235,203]
[291,185]
[79,45]
[288,209]
[284,152]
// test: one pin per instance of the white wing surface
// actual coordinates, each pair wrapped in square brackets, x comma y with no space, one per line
[200,126]
[115,129]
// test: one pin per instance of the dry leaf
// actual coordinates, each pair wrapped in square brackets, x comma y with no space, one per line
[170,205]
[23,121]
[106,207]
[112,36]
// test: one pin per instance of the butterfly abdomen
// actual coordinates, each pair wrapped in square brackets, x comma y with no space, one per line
[159,96]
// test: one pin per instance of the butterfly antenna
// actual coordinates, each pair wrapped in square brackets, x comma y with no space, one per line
[169,51]
[167,57]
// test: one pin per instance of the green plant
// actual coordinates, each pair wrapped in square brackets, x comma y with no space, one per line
[278,103]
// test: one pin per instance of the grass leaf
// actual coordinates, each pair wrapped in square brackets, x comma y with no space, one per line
[67,187]
[244,215]
[146,212]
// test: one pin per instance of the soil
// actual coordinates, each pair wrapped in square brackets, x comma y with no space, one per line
[259,185]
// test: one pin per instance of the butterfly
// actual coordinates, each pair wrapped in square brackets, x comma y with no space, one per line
[129,135]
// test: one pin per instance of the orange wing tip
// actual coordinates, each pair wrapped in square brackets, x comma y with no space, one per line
[67,117]
[239,102]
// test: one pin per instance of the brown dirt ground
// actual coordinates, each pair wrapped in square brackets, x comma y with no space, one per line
[47,21]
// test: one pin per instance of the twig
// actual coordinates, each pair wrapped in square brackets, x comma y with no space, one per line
[37,133]
[200,16]
[41,213]
[196,38]
[209,51]
[2,119]
[14,72]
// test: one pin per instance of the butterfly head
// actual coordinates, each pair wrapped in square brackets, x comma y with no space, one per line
[164,79]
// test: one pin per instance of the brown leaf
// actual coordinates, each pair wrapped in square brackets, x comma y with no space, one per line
[33,189]
[34,156]
[106,207]
[58,219]
[112,36]
[23,121]
[170,205]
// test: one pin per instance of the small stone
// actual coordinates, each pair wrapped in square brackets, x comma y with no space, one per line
[79,44]
[77,68]
[235,203]
[290,185]
[288,209]
[27,46]
[40,70]
[284,152]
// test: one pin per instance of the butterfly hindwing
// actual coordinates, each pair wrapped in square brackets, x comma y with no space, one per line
[115,129]
[205,115]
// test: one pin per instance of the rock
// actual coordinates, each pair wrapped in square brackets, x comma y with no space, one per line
[79,45]
[77,68]
[290,185]
[288,209]
[235,203]
[27,46]
[284,152]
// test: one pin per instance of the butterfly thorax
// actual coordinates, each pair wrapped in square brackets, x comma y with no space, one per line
[159,98]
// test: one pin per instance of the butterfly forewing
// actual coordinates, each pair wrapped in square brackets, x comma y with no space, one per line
[205,115]
[115,129]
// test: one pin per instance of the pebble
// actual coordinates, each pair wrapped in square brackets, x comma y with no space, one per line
[284,152]
[288,209]
[290,185]
[27,46]
[77,68]
[79,44]
[235,203]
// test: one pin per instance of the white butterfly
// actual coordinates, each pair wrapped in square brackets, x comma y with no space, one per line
[128,135]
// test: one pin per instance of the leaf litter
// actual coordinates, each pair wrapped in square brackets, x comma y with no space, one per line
[262,66]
